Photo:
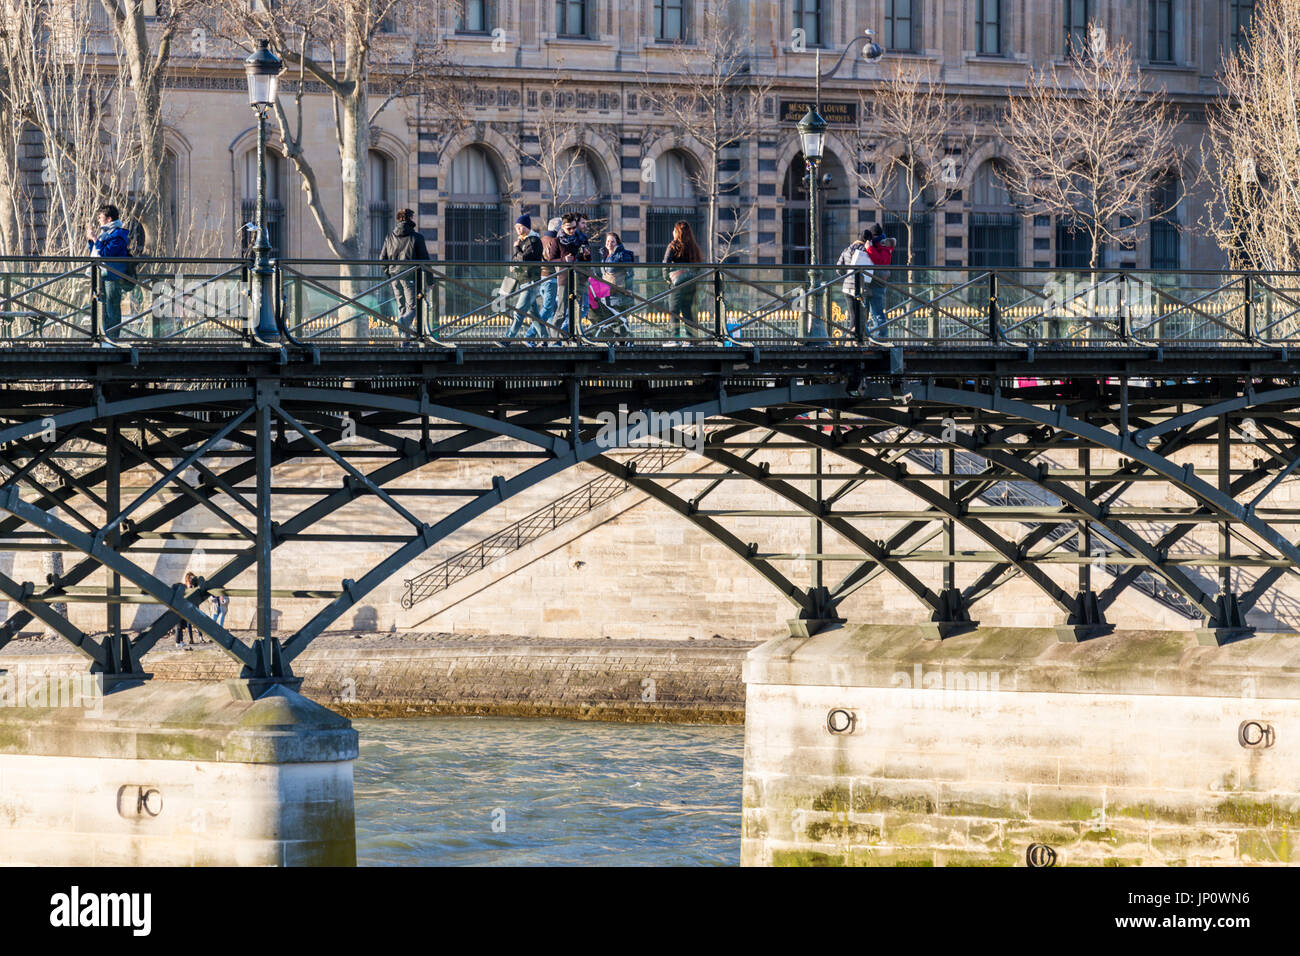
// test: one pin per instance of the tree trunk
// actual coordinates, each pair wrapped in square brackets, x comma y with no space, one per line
[354,149]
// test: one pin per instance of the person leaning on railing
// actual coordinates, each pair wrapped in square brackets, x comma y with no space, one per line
[112,241]
[853,257]
[683,250]
[881,252]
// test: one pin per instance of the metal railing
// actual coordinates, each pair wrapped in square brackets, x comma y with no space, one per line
[526,530]
[361,303]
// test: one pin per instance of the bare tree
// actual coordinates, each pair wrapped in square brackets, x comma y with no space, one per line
[912,114]
[1253,152]
[1087,142]
[62,149]
[144,32]
[359,51]
[557,157]
[714,99]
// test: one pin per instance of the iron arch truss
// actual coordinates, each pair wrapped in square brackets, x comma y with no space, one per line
[1006,476]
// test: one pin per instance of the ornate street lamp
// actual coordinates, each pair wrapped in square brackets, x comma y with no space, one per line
[812,134]
[263,71]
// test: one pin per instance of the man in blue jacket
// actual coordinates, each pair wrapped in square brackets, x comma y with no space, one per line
[113,241]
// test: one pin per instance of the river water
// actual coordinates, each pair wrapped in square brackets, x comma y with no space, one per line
[465,791]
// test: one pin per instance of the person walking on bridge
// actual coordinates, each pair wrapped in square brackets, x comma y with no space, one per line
[527,249]
[404,244]
[550,291]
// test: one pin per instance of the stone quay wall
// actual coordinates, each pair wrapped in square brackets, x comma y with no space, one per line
[875,747]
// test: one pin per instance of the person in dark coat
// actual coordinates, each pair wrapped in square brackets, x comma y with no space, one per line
[683,250]
[527,249]
[402,245]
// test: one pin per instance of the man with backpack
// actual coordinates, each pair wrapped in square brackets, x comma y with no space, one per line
[112,240]
[403,245]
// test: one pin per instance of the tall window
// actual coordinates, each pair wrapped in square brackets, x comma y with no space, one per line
[571,18]
[808,18]
[994,221]
[476,17]
[988,27]
[379,186]
[474,227]
[1240,13]
[580,190]
[901,23]
[1162,31]
[1165,245]
[276,219]
[672,197]
[1075,20]
[670,20]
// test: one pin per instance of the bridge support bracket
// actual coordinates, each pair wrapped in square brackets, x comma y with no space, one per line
[819,616]
[1227,626]
[1088,622]
[951,618]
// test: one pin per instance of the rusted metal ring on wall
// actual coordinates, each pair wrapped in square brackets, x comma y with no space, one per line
[841,721]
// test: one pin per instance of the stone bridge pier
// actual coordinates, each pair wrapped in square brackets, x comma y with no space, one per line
[1007,747]
[172,774]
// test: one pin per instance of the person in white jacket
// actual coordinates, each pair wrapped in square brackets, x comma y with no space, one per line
[855,254]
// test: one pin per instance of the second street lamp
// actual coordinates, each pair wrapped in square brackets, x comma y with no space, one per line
[812,136]
[263,71]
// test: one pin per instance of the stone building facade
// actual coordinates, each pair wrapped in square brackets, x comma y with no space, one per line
[467,182]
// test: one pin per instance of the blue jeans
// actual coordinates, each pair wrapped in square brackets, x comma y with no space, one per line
[549,303]
[877,303]
[113,289]
[526,304]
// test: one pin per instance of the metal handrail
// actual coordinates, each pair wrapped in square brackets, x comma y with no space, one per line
[349,303]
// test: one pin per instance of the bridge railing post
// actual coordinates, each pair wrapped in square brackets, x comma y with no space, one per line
[718,320]
[418,329]
[95,315]
[1247,314]
[571,303]
[859,326]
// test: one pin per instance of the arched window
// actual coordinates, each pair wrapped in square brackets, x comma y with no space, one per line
[474,227]
[1073,235]
[673,197]
[895,215]
[1166,213]
[833,230]
[475,215]
[277,227]
[379,199]
[581,190]
[994,223]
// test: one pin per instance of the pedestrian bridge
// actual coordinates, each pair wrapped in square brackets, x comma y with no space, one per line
[949,437]
[1035,401]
